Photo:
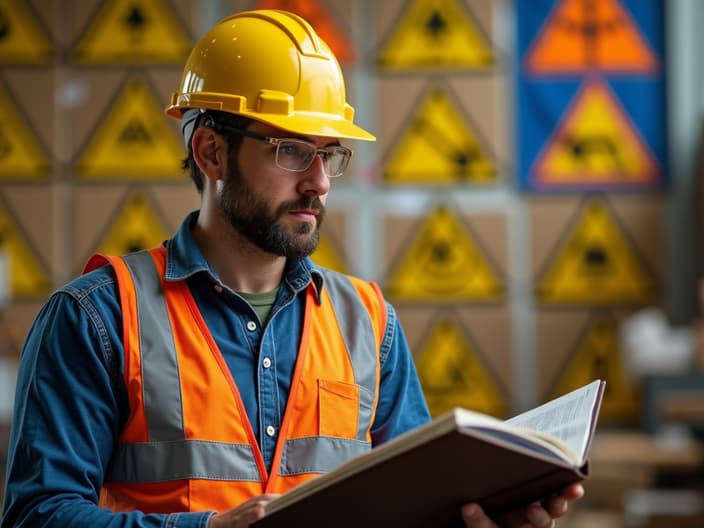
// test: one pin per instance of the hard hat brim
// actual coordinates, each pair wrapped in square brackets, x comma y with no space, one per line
[313,125]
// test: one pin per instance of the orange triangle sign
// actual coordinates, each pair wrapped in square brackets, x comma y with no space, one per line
[321,19]
[589,35]
[596,144]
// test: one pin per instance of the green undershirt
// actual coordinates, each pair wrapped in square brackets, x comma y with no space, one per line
[261,303]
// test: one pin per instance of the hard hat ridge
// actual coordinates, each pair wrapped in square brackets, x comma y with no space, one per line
[270,66]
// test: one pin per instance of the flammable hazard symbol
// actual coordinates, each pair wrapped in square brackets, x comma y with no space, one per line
[137,226]
[436,34]
[596,144]
[444,263]
[133,31]
[453,374]
[133,141]
[597,356]
[596,264]
[590,35]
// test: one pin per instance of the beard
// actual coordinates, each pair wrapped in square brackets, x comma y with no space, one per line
[249,215]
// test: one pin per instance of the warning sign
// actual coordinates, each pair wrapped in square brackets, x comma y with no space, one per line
[28,278]
[596,264]
[452,373]
[22,40]
[321,19]
[328,256]
[590,35]
[439,146]
[133,141]
[133,31]
[597,355]
[435,34]
[137,226]
[444,263]
[21,157]
[596,144]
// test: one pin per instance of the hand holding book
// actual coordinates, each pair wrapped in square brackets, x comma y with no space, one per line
[424,477]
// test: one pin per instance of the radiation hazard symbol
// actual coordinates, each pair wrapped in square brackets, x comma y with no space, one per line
[133,141]
[596,264]
[133,32]
[597,356]
[435,34]
[22,40]
[439,146]
[137,226]
[596,144]
[590,35]
[444,263]
[28,278]
[452,373]
[21,157]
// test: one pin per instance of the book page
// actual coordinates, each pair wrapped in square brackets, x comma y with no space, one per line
[569,418]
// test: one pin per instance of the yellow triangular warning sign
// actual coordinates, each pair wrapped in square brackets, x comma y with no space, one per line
[597,356]
[137,226]
[328,256]
[133,32]
[596,144]
[22,40]
[436,34]
[444,263]
[452,373]
[133,141]
[21,157]
[28,277]
[595,35]
[596,264]
[439,147]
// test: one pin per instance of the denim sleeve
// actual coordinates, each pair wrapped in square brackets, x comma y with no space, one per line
[401,405]
[67,418]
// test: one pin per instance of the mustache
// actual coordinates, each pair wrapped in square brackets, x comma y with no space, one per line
[303,203]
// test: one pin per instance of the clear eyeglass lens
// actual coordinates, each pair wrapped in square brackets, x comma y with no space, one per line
[297,156]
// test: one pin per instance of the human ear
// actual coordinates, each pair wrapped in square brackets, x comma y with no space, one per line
[209,152]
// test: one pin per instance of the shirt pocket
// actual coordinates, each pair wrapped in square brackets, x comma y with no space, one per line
[338,403]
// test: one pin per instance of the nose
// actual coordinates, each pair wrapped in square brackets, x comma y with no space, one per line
[315,180]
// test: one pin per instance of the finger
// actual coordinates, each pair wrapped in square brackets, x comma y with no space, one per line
[474,517]
[539,517]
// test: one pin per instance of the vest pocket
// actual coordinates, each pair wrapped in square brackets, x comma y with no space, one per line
[338,405]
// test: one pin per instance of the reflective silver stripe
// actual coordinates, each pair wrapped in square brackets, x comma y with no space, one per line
[182,459]
[160,374]
[356,327]
[318,454]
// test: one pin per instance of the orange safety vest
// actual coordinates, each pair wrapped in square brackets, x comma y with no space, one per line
[188,444]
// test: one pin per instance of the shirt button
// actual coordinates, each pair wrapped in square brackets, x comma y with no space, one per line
[251,326]
[267,362]
[270,430]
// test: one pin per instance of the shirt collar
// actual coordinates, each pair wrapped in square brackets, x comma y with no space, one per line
[184,259]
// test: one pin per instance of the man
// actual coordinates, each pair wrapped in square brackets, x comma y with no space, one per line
[188,385]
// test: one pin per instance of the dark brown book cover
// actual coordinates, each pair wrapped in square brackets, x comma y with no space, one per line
[422,478]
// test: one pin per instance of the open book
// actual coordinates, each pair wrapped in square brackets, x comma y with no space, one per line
[421,478]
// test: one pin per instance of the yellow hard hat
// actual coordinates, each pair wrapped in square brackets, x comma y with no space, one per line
[270,66]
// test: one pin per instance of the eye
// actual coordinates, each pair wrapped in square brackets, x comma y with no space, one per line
[292,149]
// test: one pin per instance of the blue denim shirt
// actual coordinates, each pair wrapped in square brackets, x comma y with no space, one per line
[71,400]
